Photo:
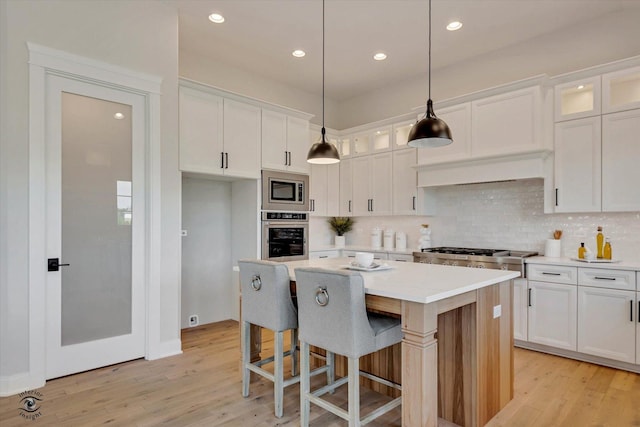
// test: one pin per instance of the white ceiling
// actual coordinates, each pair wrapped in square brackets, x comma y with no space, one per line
[259,35]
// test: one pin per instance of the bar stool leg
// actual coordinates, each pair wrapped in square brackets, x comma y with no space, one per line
[294,352]
[354,391]
[331,371]
[246,357]
[278,372]
[305,385]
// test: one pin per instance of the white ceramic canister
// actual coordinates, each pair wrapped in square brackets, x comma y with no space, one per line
[376,238]
[389,236]
[401,240]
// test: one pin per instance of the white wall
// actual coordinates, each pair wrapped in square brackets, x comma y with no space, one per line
[253,85]
[572,49]
[505,215]
[206,258]
[140,36]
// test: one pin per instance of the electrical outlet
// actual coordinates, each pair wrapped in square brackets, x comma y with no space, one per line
[183,233]
[497,311]
[193,320]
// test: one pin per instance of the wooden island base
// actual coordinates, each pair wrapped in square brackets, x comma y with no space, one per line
[474,353]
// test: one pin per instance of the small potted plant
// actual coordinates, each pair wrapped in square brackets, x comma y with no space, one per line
[340,225]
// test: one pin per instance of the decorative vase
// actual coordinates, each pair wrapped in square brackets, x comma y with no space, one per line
[339,241]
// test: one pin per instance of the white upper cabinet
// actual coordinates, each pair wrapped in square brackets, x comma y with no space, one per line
[458,118]
[285,142]
[201,145]
[324,185]
[577,165]
[346,182]
[405,181]
[241,139]
[371,184]
[620,161]
[577,99]
[508,123]
[370,141]
[218,136]
[621,90]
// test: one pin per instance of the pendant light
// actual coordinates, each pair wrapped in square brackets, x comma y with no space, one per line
[430,131]
[322,152]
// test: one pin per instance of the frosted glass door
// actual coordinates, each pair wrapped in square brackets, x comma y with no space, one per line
[95,208]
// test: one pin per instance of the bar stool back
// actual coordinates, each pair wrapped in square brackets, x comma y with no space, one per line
[332,315]
[266,302]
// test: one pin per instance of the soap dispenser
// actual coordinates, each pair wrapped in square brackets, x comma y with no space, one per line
[581,250]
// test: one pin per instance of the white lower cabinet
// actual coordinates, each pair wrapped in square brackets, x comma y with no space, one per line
[607,326]
[520,309]
[552,314]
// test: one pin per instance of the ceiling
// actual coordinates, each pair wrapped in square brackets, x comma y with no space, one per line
[259,35]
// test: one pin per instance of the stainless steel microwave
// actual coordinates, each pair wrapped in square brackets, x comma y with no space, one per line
[283,191]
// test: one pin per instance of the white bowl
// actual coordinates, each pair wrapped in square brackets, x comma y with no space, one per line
[364,259]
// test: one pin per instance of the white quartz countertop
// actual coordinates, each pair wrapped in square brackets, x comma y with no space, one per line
[407,251]
[417,282]
[620,265]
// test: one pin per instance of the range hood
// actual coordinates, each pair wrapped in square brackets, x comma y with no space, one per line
[536,164]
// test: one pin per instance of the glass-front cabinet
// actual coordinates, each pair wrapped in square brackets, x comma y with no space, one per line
[401,134]
[621,90]
[577,99]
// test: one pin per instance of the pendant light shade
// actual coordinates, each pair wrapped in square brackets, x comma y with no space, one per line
[430,131]
[322,152]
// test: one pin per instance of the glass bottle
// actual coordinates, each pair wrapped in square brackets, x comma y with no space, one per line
[607,249]
[581,251]
[600,242]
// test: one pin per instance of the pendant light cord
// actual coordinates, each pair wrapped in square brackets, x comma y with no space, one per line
[323,130]
[429,49]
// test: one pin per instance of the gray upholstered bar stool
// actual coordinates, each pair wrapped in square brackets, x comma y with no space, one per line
[332,315]
[266,302]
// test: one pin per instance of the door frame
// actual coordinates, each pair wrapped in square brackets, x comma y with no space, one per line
[45,61]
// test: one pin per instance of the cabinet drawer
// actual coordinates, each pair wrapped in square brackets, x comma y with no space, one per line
[400,257]
[552,273]
[324,254]
[606,278]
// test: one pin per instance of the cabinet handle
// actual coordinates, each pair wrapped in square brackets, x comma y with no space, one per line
[349,205]
[604,278]
[638,311]
[400,260]
[529,298]
[289,158]
[221,160]
[286,158]
[551,274]
[371,205]
[556,197]
[631,311]
[323,256]
[414,202]
[226,160]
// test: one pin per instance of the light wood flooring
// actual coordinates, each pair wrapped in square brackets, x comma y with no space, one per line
[202,386]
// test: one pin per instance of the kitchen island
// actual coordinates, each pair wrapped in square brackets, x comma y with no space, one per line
[457,348]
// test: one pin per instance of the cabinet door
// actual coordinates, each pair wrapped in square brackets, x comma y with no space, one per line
[577,99]
[401,134]
[520,301]
[360,183]
[242,139]
[620,167]
[506,123]
[200,132]
[606,323]
[621,90]
[274,140]
[553,314]
[577,165]
[333,189]
[458,118]
[298,144]
[405,180]
[380,183]
[346,181]
[638,325]
[318,190]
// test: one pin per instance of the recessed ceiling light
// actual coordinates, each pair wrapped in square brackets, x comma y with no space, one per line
[217,18]
[581,87]
[118,116]
[380,56]
[298,53]
[454,25]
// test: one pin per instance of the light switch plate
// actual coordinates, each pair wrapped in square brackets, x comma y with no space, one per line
[497,311]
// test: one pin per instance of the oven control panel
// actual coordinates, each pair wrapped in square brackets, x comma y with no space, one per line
[285,216]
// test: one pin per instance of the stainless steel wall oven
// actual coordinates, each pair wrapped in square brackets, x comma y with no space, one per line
[285,236]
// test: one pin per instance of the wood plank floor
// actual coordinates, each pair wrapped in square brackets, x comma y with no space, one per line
[201,387]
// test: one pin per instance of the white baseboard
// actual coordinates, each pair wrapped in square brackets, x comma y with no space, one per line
[14,384]
[165,349]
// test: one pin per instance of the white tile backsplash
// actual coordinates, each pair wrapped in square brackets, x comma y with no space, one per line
[504,215]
